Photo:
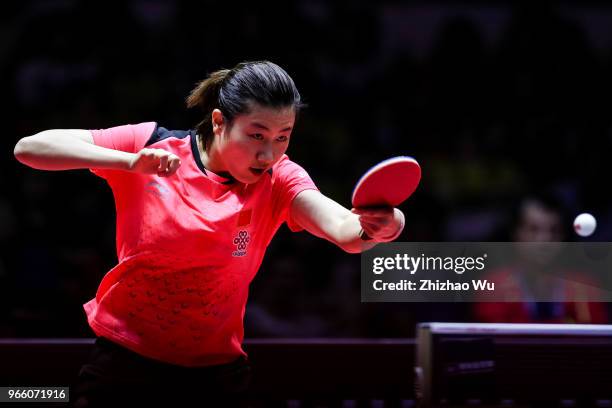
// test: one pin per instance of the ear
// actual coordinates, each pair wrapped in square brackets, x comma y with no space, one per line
[217,121]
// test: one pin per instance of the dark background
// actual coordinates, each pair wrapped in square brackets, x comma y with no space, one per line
[494,100]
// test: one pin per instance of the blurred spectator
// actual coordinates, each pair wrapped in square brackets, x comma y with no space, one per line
[532,276]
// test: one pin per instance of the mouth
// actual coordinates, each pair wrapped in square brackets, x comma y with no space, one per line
[257,171]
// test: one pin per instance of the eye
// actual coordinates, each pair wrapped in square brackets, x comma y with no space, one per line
[282,138]
[256,136]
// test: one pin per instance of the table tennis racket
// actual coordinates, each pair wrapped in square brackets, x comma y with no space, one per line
[387,184]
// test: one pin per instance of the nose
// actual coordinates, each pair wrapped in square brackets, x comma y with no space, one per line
[265,155]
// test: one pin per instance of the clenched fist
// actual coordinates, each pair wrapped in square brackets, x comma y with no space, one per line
[155,161]
[380,224]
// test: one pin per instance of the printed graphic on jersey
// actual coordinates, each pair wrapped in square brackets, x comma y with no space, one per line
[244,218]
[241,241]
[155,188]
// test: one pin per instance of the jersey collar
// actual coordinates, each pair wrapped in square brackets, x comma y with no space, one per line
[198,159]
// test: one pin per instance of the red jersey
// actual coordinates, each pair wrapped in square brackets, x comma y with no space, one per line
[510,285]
[188,246]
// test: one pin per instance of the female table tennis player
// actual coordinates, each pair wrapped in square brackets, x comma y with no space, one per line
[196,210]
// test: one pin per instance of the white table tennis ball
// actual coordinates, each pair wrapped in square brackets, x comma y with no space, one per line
[585,224]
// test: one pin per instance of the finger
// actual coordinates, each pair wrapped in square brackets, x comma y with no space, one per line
[162,168]
[380,211]
[369,231]
[370,228]
[163,164]
[173,165]
[377,214]
[379,219]
[144,155]
[157,153]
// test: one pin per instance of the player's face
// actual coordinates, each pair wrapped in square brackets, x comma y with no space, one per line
[255,141]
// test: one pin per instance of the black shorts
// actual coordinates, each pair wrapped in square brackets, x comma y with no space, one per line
[115,376]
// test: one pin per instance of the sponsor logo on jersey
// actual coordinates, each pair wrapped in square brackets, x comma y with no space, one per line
[241,241]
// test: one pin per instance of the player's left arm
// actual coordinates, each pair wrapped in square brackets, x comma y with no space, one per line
[325,218]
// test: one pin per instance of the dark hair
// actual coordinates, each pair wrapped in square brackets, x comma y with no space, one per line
[232,91]
[547,199]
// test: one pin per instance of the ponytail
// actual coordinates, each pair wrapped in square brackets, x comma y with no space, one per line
[205,96]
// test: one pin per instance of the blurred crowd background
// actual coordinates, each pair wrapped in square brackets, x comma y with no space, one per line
[496,101]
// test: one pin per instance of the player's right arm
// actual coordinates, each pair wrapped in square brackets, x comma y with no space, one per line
[65,149]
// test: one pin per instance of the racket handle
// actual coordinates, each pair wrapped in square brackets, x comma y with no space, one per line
[364,236]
